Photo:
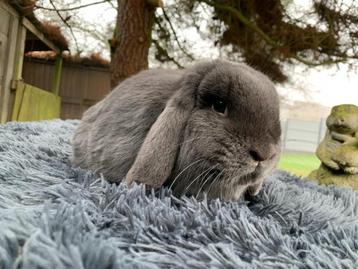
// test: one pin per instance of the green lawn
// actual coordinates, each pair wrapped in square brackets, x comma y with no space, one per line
[300,164]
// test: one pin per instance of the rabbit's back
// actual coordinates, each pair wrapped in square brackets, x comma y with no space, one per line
[112,131]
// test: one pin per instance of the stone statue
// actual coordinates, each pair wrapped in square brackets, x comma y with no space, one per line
[338,151]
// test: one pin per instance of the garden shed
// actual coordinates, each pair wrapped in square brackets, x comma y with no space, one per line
[20,33]
[85,80]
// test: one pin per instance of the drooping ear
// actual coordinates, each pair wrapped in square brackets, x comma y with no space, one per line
[157,154]
[156,157]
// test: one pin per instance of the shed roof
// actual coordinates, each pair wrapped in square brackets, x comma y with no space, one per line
[50,31]
[92,60]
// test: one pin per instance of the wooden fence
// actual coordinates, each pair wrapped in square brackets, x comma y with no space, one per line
[81,86]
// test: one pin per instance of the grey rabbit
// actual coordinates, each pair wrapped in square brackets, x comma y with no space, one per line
[213,128]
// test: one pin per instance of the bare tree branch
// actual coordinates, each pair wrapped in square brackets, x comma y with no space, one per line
[165,53]
[313,64]
[66,23]
[176,37]
[72,8]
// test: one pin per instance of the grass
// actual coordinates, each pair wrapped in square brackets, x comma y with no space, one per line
[300,164]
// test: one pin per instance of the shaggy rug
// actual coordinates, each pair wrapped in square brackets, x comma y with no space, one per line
[56,216]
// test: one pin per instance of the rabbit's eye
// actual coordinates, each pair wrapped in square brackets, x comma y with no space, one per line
[219,106]
[216,103]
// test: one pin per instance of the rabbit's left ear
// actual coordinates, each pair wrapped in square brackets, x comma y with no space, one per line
[158,152]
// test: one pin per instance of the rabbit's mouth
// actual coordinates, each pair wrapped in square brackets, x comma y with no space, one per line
[252,176]
[258,171]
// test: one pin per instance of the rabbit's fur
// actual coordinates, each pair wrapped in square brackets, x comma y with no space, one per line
[163,127]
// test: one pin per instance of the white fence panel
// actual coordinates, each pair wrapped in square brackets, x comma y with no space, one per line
[300,135]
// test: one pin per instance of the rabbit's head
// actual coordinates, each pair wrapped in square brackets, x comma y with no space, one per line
[218,134]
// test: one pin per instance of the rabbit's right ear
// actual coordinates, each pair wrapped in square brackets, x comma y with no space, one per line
[157,155]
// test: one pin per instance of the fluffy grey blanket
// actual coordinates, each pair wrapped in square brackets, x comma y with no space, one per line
[56,216]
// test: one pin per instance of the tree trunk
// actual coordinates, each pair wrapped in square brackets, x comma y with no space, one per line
[132,39]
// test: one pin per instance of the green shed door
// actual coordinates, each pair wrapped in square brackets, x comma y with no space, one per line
[8,34]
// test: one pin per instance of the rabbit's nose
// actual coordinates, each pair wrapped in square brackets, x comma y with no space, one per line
[263,153]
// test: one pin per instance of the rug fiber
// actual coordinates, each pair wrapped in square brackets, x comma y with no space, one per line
[56,216]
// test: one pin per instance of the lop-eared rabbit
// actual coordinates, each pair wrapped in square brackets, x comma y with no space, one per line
[213,128]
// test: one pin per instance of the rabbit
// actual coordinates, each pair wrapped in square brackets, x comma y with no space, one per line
[211,129]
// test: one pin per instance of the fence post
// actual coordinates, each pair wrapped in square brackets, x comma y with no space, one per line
[285,135]
[320,127]
[57,78]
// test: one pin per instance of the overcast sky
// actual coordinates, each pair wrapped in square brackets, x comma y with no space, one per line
[326,86]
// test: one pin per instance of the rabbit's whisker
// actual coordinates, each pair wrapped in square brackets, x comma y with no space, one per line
[205,177]
[199,176]
[215,181]
[221,191]
[182,171]
[211,184]
[186,168]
